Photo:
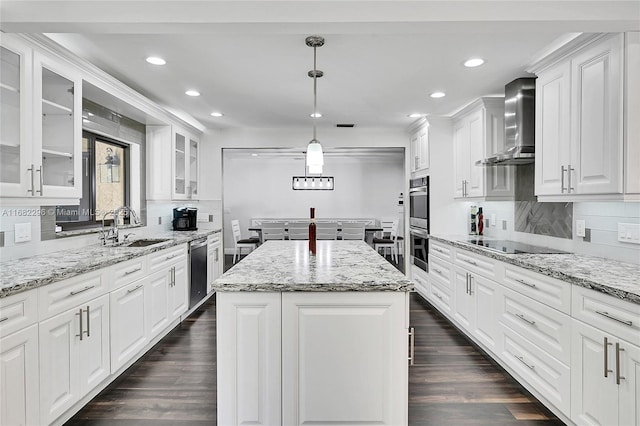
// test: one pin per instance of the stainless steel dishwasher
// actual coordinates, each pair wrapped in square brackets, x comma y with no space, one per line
[198,260]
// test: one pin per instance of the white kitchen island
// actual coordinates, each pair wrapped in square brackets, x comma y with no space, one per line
[312,340]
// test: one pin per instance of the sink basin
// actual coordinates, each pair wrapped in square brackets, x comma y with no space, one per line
[144,243]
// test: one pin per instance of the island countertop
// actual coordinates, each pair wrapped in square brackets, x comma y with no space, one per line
[280,266]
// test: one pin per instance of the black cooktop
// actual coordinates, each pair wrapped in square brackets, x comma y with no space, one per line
[511,247]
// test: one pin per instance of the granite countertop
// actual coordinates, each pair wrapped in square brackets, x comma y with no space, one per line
[618,279]
[337,266]
[24,274]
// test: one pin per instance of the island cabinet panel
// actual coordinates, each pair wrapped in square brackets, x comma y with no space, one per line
[344,358]
[249,348]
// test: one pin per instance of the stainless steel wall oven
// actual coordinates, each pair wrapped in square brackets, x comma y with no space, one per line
[419,248]
[419,221]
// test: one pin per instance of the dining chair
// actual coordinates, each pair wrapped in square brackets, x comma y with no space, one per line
[352,231]
[327,231]
[298,230]
[389,243]
[273,231]
[239,242]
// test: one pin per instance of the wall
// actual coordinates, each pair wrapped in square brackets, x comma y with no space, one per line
[260,187]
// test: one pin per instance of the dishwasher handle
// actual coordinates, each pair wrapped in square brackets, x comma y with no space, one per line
[198,243]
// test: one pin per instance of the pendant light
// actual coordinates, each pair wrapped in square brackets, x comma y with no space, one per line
[314,157]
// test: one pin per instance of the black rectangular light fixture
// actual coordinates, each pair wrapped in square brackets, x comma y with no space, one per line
[312,183]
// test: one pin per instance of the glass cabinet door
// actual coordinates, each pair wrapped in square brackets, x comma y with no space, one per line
[10,104]
[193,167]
[180,166]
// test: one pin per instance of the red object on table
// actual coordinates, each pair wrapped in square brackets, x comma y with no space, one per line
[312,233]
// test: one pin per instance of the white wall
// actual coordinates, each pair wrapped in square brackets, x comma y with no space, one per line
[260,187]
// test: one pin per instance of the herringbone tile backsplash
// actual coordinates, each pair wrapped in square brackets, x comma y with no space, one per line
[552,219]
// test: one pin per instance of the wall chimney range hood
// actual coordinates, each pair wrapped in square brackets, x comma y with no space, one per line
[519,125]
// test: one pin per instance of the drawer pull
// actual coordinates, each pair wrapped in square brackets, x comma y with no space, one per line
[437,271]
[80,316]
[171,257]
[470,262]
[523,318]
[439,250]
[134,289]
[521,359]
[438,296]
[412,343]
[608,315]
[618,376]
[132,271]
[525,283]
[73,293]
[4,319]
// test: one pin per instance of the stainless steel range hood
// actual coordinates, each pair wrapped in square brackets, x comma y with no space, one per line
[519,124]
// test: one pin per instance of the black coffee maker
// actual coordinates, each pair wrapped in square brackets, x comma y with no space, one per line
[184,219]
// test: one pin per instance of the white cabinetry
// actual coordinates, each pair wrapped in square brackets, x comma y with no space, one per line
[185,165]
[74,356]
[128,322]
[579,121]
[326,358]
[477,134]
[19,373]
[419,147]
[214,260]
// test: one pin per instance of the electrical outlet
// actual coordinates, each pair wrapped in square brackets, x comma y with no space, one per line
[580,226]
[159,220]
[493,219]
[22,232]
[210,218]
[504,225]
[2,239]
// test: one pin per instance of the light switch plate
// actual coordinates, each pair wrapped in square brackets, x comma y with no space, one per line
[629,233]
[22,232]
[493,219]
[580,225]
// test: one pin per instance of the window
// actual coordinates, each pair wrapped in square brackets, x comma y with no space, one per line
[105,166]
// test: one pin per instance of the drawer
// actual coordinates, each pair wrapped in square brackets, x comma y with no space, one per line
[476,263]
[213,239]
[542,372]
[421,281]
[61,296]
[127,272]
[441,297]
[441,271]
[441,250]
[18,311]
[550,291]
[609,314]
[166,258]
[547,328]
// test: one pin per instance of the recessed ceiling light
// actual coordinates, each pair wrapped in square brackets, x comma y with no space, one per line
[437,95]
[156,61]
[315,115]
[192,93]
[415,115]
[217,114]
[473,62]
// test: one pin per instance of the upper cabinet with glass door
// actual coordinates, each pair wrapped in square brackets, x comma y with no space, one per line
[185,165]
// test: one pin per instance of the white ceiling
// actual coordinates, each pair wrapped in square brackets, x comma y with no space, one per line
[248,59]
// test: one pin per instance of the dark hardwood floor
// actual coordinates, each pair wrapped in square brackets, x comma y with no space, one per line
[451,383]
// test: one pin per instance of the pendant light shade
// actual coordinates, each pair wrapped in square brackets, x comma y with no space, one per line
[315,158]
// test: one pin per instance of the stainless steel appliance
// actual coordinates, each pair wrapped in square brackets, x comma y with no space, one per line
[198,261]
[519,124]
[419,248]
[185,219]
[419,203]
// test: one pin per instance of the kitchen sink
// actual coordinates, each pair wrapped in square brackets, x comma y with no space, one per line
[144,243]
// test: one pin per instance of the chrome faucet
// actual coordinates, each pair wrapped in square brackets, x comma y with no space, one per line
[111,234]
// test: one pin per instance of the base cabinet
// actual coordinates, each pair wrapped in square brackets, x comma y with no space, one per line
[19,387]
[312,358]
[128,322]
[74,356]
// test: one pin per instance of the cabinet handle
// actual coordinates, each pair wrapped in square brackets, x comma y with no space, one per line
[80,315]
[523,318]
[470,262]
[132,271]
[88,322]
[412,342]
[436,270]
[438,296]
[521,359]
[438,250]
[562,172]
[606,357]
[467,282]
[171,257]
[525,283]
[569,187]
[41,171]
[73,293]
[618,376]
[470,285]
[215,258]
[31,169]
[173,276]
[134,289]
[4,319]
[608,315]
